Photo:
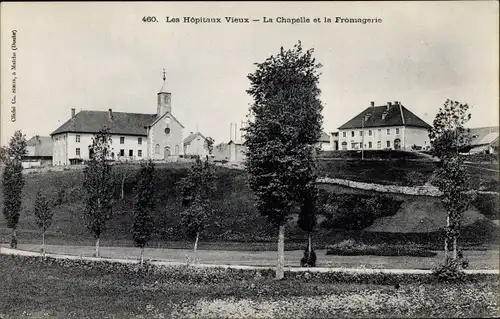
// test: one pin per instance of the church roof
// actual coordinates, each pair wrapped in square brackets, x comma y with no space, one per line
[378,116]
[191,137]
[118,123]
[483,135]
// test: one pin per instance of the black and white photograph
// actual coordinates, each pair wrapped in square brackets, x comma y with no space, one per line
[295,159]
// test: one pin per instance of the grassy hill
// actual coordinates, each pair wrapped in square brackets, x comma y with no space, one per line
[237,219]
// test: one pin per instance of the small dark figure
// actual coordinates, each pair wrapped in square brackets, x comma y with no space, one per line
[463,260]
[13,243]
[308,260]
[396,286]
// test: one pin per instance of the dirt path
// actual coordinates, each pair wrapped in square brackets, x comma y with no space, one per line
[480,261]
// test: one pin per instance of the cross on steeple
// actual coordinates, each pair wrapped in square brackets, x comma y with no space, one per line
[164,75]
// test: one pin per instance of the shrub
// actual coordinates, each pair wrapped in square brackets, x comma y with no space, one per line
[352,248]
[450,271]
[309,260]
[488,205]
[355,212]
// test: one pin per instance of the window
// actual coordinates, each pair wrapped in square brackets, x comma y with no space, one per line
[77,151]
[397,130]
[122,140]
[344,145]
[122,152]
[369,144]
[344,134]
[370,132]
[352,133]
[360,133]
[354,146]
[388,131]
[139,140]
[77,138]
[388,143]
[139,153]
[130,152]
[157,149]
[379,144]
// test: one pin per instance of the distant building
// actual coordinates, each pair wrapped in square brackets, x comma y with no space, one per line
[236,147]
[194,144]
[390,126]
[39,152]
[334,141]
[134,136]
[484,140]
[325,142]
[221,152]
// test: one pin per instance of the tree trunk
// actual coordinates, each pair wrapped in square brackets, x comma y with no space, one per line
[455,248]
[43,244]
[97,247]
[446,237]
[309,246]
[142,256]
[13,242]
[123,184]
[196,246]
[280,271]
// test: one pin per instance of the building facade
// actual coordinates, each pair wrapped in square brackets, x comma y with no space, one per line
[387,127]
[38,152]
[134,136]
[194,145]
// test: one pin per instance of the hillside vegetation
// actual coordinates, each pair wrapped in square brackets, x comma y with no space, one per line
[238,220]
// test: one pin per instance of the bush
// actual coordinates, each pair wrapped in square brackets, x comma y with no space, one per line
[353,211]
[488,205]
[309,260]
[352,248]
[450,271]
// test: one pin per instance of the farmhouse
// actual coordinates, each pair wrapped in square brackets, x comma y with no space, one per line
[39,152]
[194,144]
[134,136]
[389,126]
[484,140]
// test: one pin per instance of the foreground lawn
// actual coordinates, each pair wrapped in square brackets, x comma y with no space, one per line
[31,288]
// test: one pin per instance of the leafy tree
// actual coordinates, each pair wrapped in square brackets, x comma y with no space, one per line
[284,125]
[98,183]
[3,153]
[144,206]
[198,189]
[13,182]
[124,172]
[448,136]
[209,145]
[43,214]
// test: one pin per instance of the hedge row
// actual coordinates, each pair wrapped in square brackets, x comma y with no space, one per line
[199,275]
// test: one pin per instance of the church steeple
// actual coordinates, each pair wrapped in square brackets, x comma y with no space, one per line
[164,98]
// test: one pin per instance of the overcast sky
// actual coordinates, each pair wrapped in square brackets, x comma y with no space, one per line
[96,56]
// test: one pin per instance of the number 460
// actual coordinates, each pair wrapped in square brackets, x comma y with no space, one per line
[149,19]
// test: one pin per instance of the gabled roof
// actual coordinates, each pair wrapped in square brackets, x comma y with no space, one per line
[483,135]
[120,123]
[169,114]
[42,144]
[325,138]
[191,137]
[396,115]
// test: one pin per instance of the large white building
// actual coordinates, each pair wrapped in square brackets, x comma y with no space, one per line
[390,126]
[134,136]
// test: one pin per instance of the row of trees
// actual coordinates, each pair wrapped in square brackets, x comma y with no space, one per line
[284,124]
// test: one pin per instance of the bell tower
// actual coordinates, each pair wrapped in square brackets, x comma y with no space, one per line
[164,99]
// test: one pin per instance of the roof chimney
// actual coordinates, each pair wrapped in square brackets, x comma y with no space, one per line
[72,113]
[372,103]
[396,103]
[37,138]
[389,104]
[110,113]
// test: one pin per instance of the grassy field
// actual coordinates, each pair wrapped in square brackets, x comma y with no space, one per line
[237,218]
[31,288]
[218,254]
